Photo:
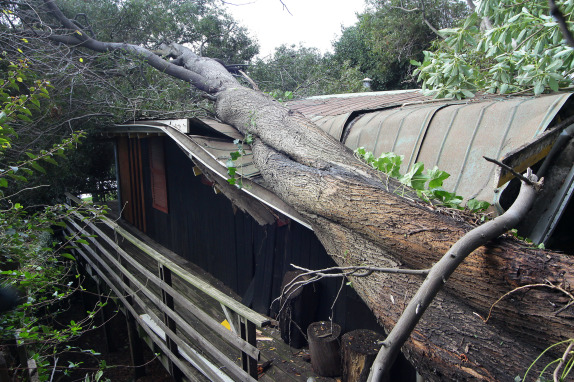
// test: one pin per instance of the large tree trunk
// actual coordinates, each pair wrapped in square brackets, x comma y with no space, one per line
[361,221]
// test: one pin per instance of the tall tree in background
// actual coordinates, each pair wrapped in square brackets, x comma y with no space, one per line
[392,33]
[305,72]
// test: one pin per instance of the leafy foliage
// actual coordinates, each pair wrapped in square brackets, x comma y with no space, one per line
[427,184]
[304,72]
[32,258]
[387,37]
[524,51]
[201,24]
[236,156]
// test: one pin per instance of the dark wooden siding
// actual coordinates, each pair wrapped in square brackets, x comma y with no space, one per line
[131,182]
[206,229]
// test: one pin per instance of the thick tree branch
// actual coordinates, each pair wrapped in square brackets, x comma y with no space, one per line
[443,269]
[79,38]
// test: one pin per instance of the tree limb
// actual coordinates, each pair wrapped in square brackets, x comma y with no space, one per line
[443,269]
[78,38]
[562,362]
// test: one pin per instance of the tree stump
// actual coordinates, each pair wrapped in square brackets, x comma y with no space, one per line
[324,346]
[297,311]
[359,350]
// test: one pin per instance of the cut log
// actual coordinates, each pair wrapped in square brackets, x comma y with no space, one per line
[324,346]
[359,349]
[297,310]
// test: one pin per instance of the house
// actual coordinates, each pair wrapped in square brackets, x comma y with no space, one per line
[172,180]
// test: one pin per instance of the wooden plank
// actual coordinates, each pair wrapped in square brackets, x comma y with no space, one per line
[229,336]
[168,300]
[159,342]
[200,340]
[248,333]
[264,271]
[188,329]
[232,304]
[173,358]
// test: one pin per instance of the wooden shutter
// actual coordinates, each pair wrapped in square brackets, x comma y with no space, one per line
[158,179]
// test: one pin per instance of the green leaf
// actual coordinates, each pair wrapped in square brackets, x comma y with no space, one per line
[477,205]
[553,84]
[50,160]
[538,88]
[3,182]
[68,256]
[436,177]
[37,167]
[415,177]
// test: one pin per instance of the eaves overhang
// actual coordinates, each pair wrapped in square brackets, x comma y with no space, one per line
[213,153]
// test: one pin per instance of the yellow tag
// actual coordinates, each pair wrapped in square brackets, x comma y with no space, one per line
[226,324]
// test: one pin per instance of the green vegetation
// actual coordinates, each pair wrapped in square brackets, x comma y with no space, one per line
[390,34]
[523,51]
[427,184]
[304,72]
[562,366]
[33,257]
[236,156]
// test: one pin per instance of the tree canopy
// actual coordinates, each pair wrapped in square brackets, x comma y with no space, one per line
[304,72]
[390,34]
[502,47]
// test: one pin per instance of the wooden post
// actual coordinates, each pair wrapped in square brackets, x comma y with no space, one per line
[248,334]
[103,318]
[323,337]
[165,276]
[359,349]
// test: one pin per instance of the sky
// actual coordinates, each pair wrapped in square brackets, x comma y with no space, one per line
[315,23]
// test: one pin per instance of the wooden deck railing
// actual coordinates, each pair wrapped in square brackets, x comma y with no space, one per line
[169,302]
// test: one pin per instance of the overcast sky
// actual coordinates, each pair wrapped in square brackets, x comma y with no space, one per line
[315,23]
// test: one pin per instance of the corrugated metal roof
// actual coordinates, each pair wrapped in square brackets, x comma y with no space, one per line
[454,136]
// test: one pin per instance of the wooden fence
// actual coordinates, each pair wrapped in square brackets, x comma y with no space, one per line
[171,304]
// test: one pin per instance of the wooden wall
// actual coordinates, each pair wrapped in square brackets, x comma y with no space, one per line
[206,229]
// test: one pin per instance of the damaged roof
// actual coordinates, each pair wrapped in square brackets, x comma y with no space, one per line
[451,134]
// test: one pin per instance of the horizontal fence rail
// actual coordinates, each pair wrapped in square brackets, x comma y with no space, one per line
[170,303]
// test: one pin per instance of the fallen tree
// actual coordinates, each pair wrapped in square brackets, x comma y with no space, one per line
[361,221]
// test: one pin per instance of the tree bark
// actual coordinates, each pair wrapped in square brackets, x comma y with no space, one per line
[361,218]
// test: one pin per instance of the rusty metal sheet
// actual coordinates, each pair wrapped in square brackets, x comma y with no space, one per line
[456,135]
[399,130]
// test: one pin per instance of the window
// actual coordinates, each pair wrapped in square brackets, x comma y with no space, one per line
[158,179]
